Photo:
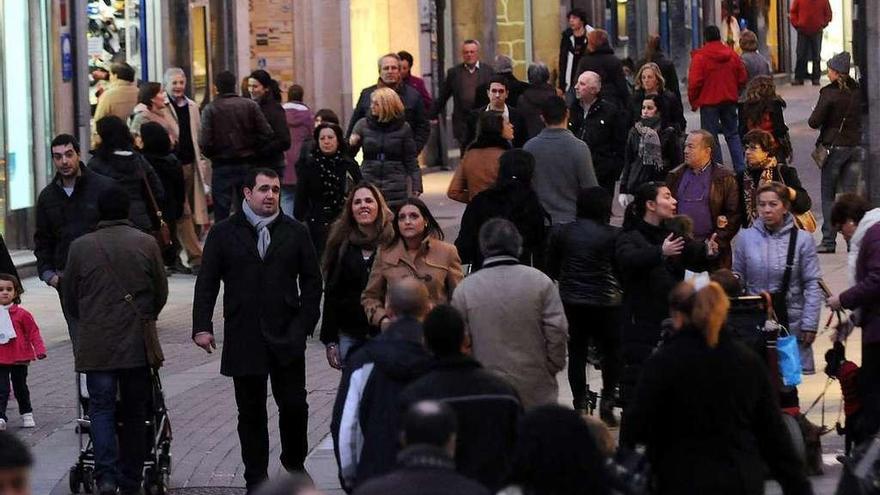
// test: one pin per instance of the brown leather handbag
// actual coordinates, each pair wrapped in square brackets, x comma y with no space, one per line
[163,233]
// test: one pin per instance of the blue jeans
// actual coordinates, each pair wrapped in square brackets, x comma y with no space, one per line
[840,174]
[119,465]
[227,183]
[288,198]
[809,48]
[722,119]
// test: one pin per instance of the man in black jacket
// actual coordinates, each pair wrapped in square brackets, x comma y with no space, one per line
[498,94]
[487,407]
[233,133]
[261,256]
[602,124]
[389,77]
[426,465]
[461,83]
[67,208]
[600,58]
[572,48]
[366,415]
[503,69]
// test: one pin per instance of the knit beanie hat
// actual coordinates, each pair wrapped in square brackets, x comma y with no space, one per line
[840,62]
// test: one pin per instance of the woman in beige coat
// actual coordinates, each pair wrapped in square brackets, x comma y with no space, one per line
[196,169]
[418,250]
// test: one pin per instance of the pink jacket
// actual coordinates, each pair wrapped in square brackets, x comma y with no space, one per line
[27,344]
[300,123]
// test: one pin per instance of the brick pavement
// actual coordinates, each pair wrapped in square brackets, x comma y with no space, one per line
[200,401]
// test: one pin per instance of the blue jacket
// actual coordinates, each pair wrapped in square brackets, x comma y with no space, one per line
[759,258]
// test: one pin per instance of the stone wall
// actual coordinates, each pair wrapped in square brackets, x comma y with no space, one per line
[511,33]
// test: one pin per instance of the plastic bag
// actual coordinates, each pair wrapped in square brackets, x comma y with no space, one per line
[789,360]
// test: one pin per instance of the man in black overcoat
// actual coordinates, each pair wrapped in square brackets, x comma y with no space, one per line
[271,297]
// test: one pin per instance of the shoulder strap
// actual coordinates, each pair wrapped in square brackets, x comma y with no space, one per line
[128,297]
[150,196]
[789,260]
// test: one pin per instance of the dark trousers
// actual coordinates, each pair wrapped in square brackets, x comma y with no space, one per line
[18,374]
[602,325]
[840,174]
[809,48]
[171,254]
[119,464]
[227,181]
[722,119]
[289,390]
[869,391]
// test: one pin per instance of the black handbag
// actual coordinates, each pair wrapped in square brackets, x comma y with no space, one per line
[780,305]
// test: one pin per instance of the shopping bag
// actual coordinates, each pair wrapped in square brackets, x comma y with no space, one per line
[789,360]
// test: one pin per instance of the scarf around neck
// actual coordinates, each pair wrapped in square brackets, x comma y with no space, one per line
[751,184]
[650,150]
[7,330]
[261,224]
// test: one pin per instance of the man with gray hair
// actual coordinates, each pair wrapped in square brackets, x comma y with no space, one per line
[389,77]
[365,415]
[514,316]
[461,83]
[529,103]
[185,113]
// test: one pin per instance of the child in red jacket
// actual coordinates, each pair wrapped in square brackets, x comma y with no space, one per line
[20,343]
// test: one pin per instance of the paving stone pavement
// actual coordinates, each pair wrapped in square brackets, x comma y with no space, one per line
[206,458]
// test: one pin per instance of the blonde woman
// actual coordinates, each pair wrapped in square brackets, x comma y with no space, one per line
[389,148]
[650,82]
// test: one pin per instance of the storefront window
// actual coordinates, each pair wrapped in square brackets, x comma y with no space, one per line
[17,113]
[114,35]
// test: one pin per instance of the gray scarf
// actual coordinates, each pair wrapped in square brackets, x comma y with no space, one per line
[262,226]
[650,150]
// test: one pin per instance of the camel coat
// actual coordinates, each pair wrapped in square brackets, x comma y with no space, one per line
[202,168]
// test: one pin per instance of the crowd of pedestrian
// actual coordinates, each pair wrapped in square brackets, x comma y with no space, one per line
[449,352]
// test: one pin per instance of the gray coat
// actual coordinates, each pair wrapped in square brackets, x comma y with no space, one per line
[517,325]
[759,258]
[110,335]
[756,64]
[563,166]
[389,157]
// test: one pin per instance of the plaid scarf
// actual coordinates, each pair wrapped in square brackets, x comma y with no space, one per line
[650,150]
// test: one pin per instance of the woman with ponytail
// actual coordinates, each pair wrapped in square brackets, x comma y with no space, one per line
[705,409]
[265,91]
[651,260]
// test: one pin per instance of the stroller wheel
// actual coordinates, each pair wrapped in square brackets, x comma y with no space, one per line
[74,479]
[88,481]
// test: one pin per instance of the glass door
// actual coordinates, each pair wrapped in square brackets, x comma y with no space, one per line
[200,50]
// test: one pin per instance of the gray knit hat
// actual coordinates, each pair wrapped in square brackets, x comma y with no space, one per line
[840,62]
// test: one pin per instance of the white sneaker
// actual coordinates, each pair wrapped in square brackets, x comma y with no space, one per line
[2,425]
[27,420]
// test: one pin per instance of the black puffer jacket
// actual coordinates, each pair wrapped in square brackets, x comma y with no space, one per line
[128,169]
[634,174]
[515,202]
[728,426]
[581,258]
[389,157]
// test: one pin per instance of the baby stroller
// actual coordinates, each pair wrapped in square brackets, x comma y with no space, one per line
[157,465]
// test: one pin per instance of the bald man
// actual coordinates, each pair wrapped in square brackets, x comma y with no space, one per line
[602,124]
[366,414]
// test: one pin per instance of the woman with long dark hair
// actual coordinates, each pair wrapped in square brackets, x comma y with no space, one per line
[323,180]
[762,108]
[418,251]
[265,91]
[156,149]
[116,158]
[364,225]
[706,410]
[651,259]
[652,148]
[479,166]
[511,197]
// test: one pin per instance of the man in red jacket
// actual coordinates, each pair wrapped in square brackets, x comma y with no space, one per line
[715,78]
[809,18]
